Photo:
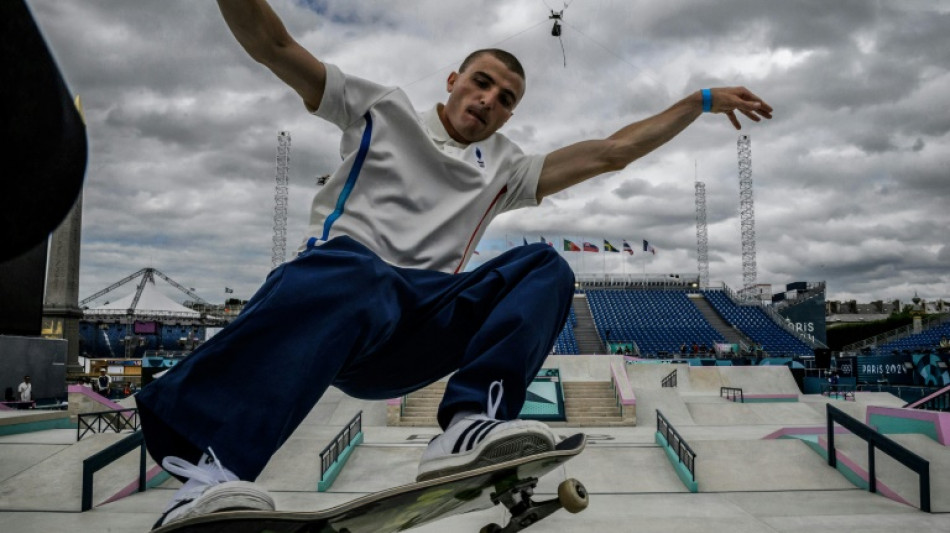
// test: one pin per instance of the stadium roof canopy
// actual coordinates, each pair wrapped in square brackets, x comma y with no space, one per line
[145,302]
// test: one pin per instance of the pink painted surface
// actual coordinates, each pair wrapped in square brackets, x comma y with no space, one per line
[940,420]
[622,384]
[94,396]
[815,430]
[925,399]
[133,487]
[882,488]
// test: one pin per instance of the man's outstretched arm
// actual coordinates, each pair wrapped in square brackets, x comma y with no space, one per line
[581,161]
[264,37]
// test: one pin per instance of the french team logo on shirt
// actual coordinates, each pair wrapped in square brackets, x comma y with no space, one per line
[478,157]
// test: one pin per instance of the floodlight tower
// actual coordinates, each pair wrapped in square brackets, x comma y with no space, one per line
[280,199]
[746,213]
[702,235]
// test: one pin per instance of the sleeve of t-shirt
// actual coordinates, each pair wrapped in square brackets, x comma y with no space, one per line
[346,98]
[523,182]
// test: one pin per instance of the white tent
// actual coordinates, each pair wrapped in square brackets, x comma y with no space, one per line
[152,303]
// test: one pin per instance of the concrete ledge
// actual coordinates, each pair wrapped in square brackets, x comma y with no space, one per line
[31,421]
[681,471]
[889,420]
[770,398]
[324,484]
[625,395]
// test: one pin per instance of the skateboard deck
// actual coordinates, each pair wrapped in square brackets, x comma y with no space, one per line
[510,483]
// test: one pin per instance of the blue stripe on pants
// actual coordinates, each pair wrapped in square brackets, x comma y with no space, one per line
[338,315]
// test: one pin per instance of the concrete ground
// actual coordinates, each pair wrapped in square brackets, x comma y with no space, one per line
[746,483]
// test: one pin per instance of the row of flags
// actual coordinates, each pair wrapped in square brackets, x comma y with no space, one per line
[587,246]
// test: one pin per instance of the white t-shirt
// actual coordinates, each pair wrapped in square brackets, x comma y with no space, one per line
[25,390]
[415,197]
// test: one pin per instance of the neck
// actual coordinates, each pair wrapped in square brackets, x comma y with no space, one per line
[448,126]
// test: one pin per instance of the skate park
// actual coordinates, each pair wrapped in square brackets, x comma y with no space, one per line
[746,479]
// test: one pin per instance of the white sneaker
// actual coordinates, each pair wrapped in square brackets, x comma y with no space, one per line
[210,488]
[480,440]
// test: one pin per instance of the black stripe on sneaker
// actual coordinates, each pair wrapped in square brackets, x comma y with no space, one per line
[464,435]
[482,433]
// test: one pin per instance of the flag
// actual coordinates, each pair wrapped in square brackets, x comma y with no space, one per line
[647,247]
[476,252]
[609,247]
[228,290]
[588,247]
[545,241]
[570,246]
[627,248]
[524,241]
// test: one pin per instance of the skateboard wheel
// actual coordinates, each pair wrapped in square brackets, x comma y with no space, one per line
[572,495]
[490,528]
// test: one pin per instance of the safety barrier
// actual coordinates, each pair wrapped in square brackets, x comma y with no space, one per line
[116,420]
[876,440]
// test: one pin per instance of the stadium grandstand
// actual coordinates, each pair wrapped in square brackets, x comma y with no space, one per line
[659,316]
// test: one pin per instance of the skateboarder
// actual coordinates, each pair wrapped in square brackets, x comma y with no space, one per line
[377,302]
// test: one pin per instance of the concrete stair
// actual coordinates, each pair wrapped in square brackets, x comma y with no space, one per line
[591,404]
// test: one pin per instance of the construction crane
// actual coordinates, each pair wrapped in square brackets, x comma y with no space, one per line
[279,254]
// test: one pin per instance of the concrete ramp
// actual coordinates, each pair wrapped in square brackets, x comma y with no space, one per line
[705,379]
[728,413]
[894,479]
[666,400]
[650,375]
[763,465]
[759,379]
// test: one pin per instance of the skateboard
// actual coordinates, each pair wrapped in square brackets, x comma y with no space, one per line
[511,484]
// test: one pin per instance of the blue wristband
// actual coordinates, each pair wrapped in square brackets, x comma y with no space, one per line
[707,100]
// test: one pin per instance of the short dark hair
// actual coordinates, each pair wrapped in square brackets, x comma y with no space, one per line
[507,58]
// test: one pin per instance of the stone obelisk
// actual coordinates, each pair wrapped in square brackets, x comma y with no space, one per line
[61,312]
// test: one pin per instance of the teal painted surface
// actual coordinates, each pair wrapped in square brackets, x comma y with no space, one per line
[681,471]
[334,471]
[770,400]
[848,474]
[41,425]
[892,424]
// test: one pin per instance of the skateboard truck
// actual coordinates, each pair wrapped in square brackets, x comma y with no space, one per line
[571,495]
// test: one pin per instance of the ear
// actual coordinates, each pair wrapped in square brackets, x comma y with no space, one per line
[450,82]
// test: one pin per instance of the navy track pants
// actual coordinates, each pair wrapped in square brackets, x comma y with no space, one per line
[338,315]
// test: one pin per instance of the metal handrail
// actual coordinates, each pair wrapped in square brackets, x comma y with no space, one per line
[876,440]
[344,438]
[106,457]
[732,393]
[669,380]
[685,454]
[116,420]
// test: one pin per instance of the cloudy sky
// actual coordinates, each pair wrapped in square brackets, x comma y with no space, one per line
[851,177]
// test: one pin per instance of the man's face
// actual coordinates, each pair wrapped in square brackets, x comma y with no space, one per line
[481,99]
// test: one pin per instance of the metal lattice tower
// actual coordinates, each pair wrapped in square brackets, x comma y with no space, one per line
[702,235]
[746,212]
[280,199]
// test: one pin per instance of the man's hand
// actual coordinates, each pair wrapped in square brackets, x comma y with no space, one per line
[728,100]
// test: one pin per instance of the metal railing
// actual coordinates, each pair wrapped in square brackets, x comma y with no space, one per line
[344,438]
[732,393]
[115,420]
[669,380]
[106,457]
[876,440]
[685,454]
[837,390]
